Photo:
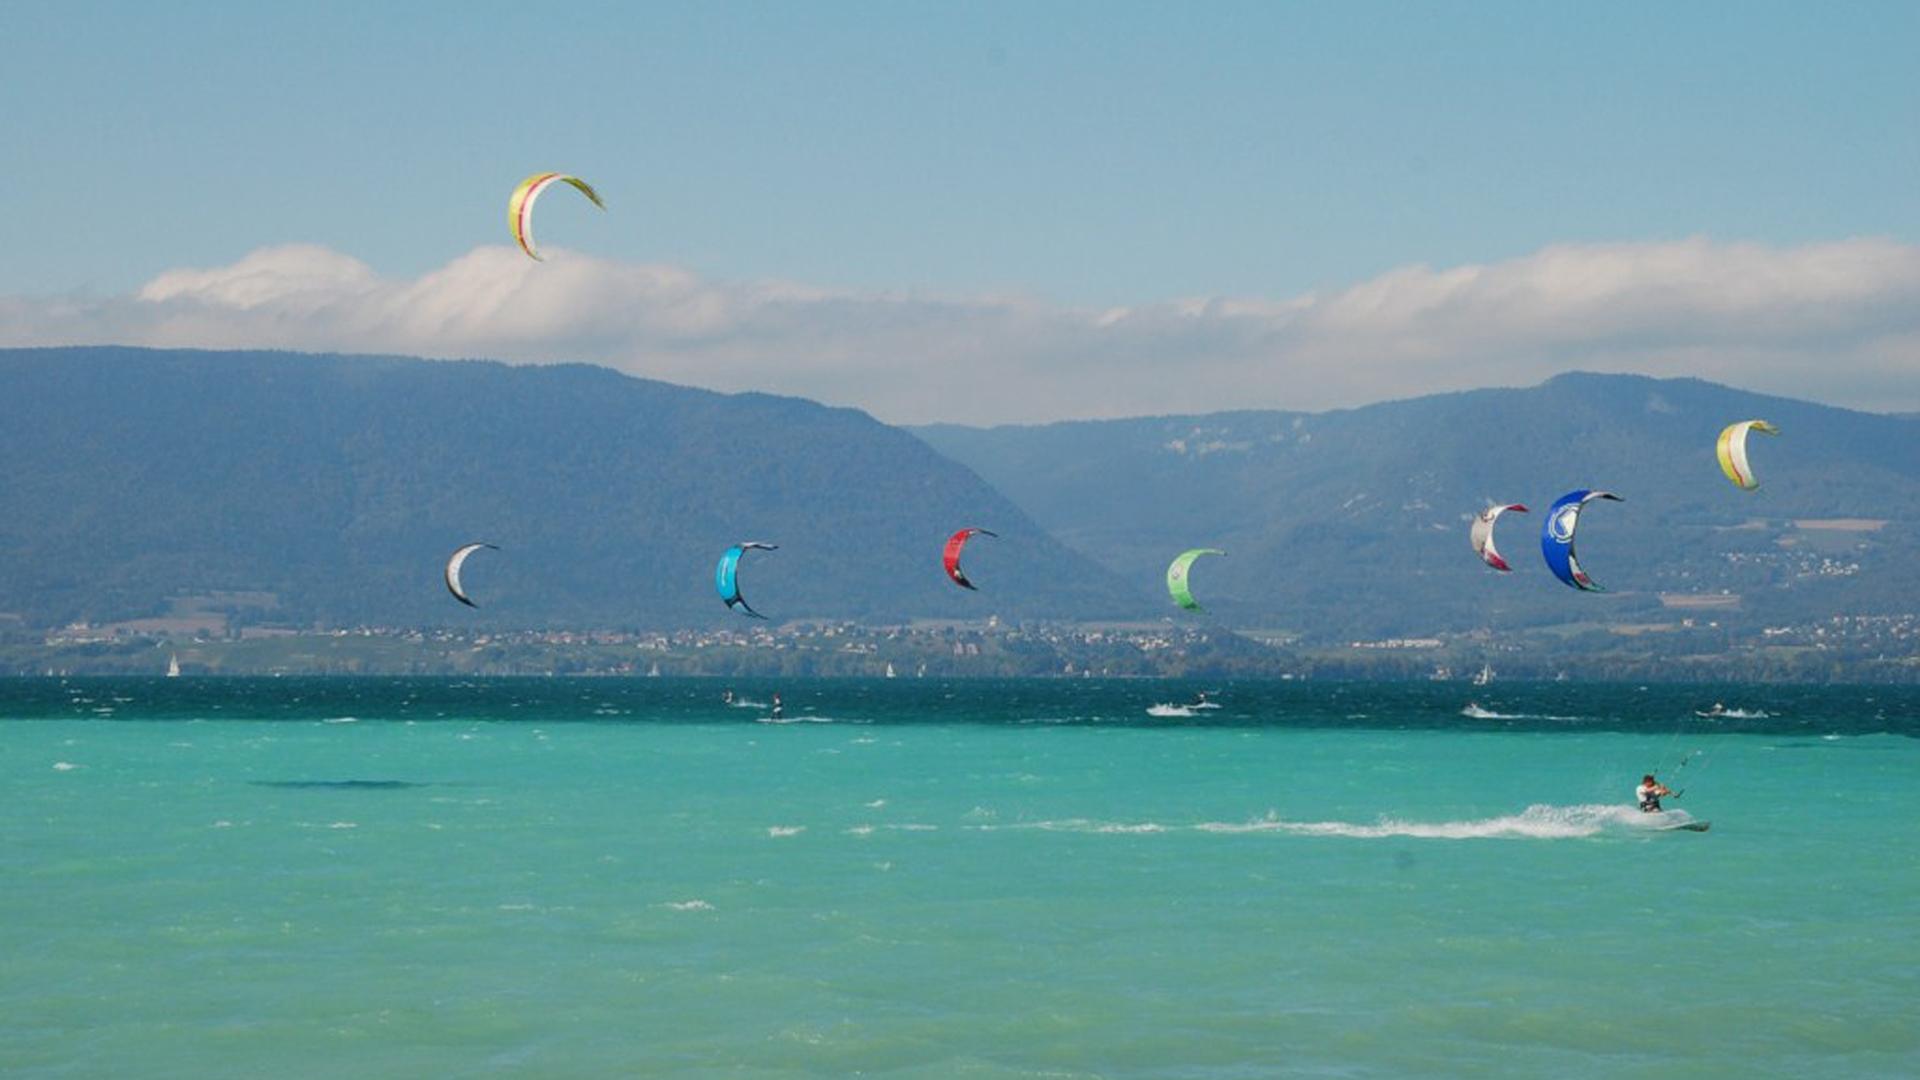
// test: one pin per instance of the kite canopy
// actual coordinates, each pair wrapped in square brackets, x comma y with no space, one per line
[1482,534]
[951,558]
[1732,451]
[1177,577]
[454,563]
[520,205]
[1556,537]
[726,577]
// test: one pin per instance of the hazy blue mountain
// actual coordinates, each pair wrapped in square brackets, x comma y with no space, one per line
[1354,523]
[311,490]
[137,482]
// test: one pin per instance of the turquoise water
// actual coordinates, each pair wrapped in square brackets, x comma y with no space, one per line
[590,878]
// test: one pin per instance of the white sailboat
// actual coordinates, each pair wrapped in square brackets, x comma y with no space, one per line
[1484,675]
[173,666]
[889,669]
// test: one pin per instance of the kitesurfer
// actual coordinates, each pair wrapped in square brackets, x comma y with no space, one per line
[778,712]
[1199,700]
[727,698]
[1649,793]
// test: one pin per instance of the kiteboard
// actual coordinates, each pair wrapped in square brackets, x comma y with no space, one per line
[1689,826]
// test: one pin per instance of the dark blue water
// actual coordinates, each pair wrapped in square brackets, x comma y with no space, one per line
[1452,706]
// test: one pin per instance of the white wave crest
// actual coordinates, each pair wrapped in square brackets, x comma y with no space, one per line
[1087,825]
[1169,710]
[1476,712]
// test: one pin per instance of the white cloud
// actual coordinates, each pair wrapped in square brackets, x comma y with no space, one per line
[1836,322]
[299,278]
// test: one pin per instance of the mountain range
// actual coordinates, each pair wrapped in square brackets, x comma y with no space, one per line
[298,490]
[278,489]
[1354,523]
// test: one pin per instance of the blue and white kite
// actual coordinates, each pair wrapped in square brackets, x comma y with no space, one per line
[1556,537]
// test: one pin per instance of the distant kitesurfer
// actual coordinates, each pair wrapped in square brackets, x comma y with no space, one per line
[1199,700]
[1649,793]
[727,698]
[778,712]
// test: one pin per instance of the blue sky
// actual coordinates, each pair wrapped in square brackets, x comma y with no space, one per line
[1090,152]
[1082,155]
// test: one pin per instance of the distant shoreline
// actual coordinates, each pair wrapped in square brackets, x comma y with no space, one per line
[1477,662]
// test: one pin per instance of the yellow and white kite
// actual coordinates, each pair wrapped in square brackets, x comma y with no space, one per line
[1732,449]
[520,206]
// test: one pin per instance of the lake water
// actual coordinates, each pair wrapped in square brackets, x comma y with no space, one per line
[559,878]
